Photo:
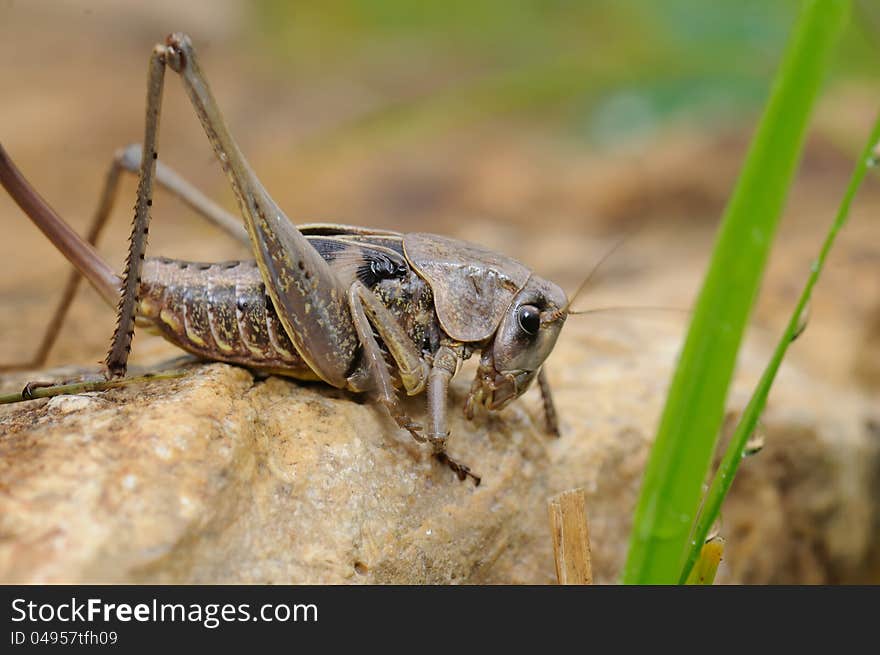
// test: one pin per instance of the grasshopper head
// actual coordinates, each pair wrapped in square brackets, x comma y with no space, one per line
[523,340]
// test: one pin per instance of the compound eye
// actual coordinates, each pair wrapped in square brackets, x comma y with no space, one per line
[529,319]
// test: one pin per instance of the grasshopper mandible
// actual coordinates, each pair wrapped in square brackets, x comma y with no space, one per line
[312,302]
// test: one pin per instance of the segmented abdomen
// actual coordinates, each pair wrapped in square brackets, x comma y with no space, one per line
[219,312]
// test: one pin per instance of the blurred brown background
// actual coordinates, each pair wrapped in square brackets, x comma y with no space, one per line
[542,129]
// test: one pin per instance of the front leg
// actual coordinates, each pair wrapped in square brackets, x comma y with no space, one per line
[551,418]
[445,364]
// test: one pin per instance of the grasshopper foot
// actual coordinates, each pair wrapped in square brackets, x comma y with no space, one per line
[404,421]
[414,429]
[461,470]
[28,392]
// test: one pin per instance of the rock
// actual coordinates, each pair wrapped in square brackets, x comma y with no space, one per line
[218,478]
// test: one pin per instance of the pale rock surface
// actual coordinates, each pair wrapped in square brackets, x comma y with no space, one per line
[217,478]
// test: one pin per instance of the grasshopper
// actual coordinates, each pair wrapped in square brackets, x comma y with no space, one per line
[360,309]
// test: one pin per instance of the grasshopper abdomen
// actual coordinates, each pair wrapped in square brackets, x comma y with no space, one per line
[219,312]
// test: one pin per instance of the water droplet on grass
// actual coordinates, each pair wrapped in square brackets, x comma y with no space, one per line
[755,443]
[803,319]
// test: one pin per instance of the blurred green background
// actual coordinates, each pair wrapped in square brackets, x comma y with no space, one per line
[603,70]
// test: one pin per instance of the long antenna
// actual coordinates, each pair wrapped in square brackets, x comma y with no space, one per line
[559,313]
[636,308]
[78,251]
[596,267]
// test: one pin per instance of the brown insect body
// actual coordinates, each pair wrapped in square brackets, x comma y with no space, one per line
[361,309]
[221,311]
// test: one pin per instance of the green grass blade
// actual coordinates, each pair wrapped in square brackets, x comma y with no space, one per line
[694,408]
[88,386]
[734,454]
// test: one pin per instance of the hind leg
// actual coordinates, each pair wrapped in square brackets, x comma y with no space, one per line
[128,160]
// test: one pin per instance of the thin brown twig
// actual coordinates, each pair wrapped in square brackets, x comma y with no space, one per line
[571,537]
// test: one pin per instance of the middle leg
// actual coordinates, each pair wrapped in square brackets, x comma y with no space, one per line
[129,159]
